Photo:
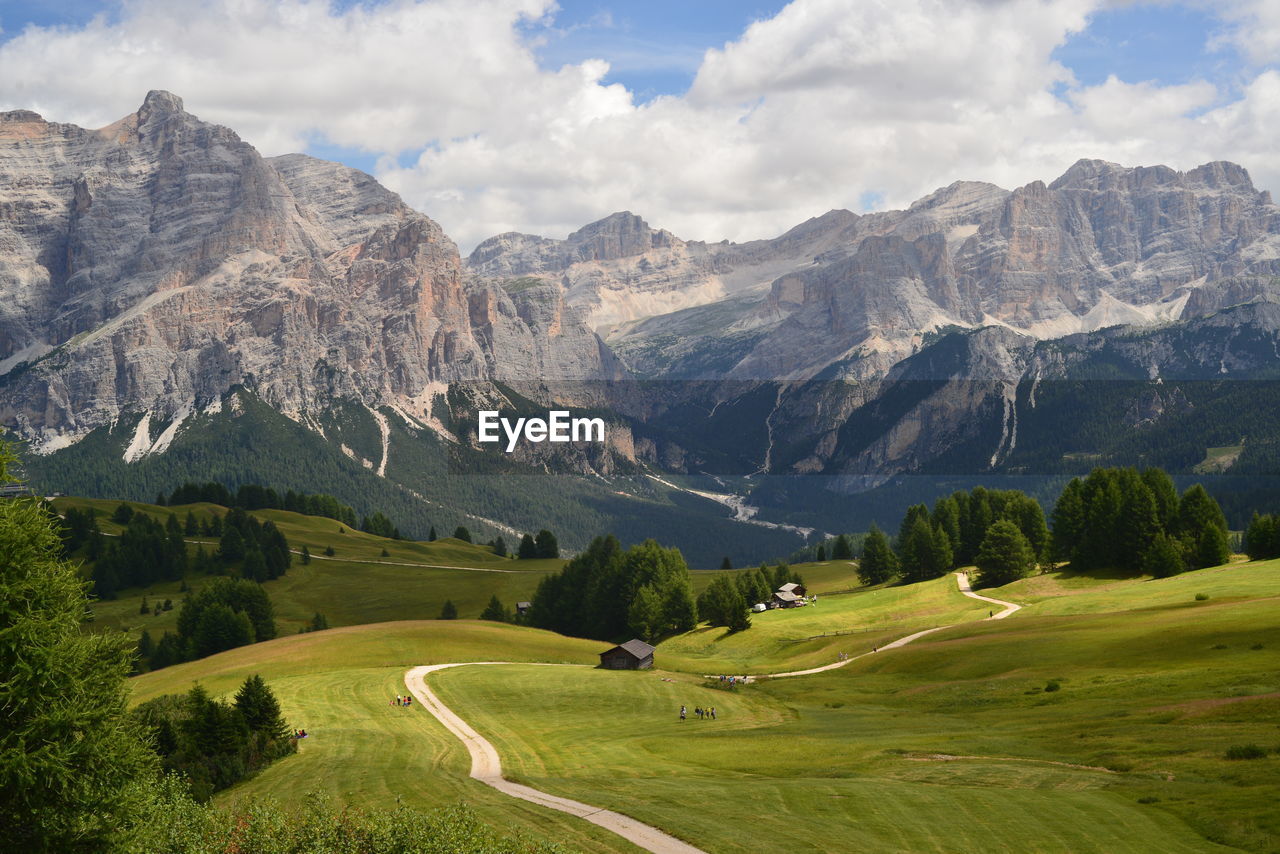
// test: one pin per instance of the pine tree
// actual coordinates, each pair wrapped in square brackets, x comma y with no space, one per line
[500,547]
[306,555]
[431,537]
[726,563]
[1211,548]
[1163,557]
[449,611]
[192,527]
[822,553]
[73,764]
[528,548]
[495,611]
[547,545]
[260,709]
[842,549]
[231,547]
[721,604]
[918,553]
[645,614]
[879,564]
[1262,539]
[461,533]
[1004,556]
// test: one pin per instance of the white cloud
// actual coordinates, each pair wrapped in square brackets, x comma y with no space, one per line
[809,110]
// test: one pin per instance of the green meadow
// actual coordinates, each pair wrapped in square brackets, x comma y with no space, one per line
[357,585]
[1098,719]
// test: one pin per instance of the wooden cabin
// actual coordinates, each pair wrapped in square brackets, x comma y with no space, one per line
[797,589]
[785,599]
[632,655]
[522,608]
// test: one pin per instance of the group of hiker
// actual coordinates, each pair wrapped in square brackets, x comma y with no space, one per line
[703,714]
[733,680]
[406,700]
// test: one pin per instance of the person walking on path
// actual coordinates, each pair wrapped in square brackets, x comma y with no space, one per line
[713,713]
[682,713]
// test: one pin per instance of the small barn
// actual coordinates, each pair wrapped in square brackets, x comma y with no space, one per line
[792,587]
[632,655]
[522,608]
[785,599]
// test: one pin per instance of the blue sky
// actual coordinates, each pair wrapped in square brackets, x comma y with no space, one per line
[491,122]
[654,47]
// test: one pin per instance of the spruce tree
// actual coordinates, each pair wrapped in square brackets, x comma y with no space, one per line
[260,709]
[495,611]
[547,545]
[645,614]
[879,564]
[528,548]
[822,553]
[72,762]
[726,563]
[1163,557]
[1004,556]
[449,611]
[842,549]
[461,533]
[306,555]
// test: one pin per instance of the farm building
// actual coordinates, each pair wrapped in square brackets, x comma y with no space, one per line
[632,655]
[785,599]
[797,589]
[522,608]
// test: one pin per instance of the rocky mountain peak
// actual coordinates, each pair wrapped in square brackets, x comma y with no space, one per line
[619,235]
[20,117]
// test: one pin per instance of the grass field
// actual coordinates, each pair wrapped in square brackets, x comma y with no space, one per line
[1097,719]
[357,585]
[952,744]
[794,638]
[366,752]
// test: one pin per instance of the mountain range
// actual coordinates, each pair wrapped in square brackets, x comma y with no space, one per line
[172,303]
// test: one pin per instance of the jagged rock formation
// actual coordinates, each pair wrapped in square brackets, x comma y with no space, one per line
[149,266]
[1102,245]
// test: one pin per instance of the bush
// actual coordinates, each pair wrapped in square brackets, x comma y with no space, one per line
[1052,685]
[1202,597]
[1246,751]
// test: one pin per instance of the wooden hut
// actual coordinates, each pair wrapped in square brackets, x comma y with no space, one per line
[792,587]
[785,599]
[632,655]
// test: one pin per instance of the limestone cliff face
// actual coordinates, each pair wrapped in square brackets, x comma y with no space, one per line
[149,266]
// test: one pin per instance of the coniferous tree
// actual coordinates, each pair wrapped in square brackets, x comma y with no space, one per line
[918,554]
[822,552]
[1262,539]
[306,556]
[547,545]
[231,546]
[72,765]
[123,513]
[721,604]
[946,517]
[449,611]
[431,537]
[1004,556]
[1165,494]
[842,549]
[495,611]
[943,558]
[260,709]
[645,614]
[461,533]
[1163,557]
[192,527]
[1068,520]
[528,548]
[500,547]
[726,563]
[879,564]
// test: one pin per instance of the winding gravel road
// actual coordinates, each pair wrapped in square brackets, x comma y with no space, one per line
[486,766]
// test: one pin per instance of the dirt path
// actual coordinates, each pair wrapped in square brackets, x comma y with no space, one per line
[962,580]
[487,768]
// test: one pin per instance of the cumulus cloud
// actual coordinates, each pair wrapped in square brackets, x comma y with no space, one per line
[823,104]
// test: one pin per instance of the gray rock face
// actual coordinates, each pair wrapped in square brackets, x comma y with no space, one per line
[1100,246]
[149,266]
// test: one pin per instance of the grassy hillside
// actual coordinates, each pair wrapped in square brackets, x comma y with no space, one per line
[953,744]
[357,585]
[788,639]
[338,684]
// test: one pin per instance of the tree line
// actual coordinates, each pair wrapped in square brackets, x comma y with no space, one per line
[224,614]
[1116,518]
[607,592]
[212,743]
